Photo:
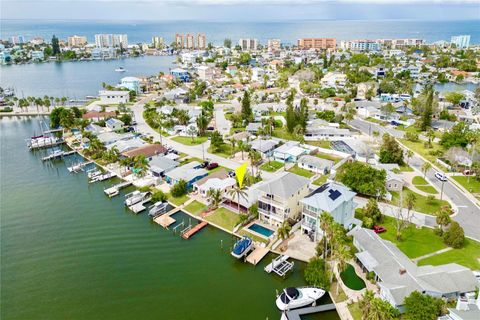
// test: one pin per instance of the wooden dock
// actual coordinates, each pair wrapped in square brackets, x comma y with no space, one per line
[297,313]
[164,220]
[257,255]
[58,155]
[113,190]
[194,230]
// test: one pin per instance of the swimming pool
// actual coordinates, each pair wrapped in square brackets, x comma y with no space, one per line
[261,230]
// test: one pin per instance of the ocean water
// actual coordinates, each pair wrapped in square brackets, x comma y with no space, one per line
[70,252]
[287,31]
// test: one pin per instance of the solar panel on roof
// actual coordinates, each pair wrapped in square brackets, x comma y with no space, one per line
[334,194]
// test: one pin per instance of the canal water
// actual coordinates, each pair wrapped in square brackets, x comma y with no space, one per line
[69,252]
[77,79]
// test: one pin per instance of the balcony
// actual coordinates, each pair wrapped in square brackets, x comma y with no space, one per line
[272,201]
[275,215]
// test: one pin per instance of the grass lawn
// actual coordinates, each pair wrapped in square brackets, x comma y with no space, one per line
[330,157]
[380,122]
[177,201]
[243,232]
[467,256]
[406,168]
[321,180]
[427,189]
[224,218]
[325,144]
[355,311]
[188,140]
[418,180]
[195,207]
[301,172]
[225,151]
[419,148]
[282,133]
[422,204]
[341,296]
[473,186]
[271,166]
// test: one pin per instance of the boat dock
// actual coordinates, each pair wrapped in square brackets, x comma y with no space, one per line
[280,265]
[102,177]
[139,207]
[296,314]
[33,145]
[114,190]
[187,234]
[59,154]
[165,220]
[257,255]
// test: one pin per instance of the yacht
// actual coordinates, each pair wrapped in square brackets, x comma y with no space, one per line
[158,208]
[292,298]
[242,247]
[120,69]
[134,197]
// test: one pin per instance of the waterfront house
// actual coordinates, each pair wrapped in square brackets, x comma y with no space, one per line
[467,308]
[94,129]
[290,151]
[110,137]
[333,198]
[97,116]
[315,164]
[130,83]
[218,180]
[37,55]
[397,276]
[190,172]
[253,127]
[114,124]
[279,198]
[315,133]
[113,97]
[159,165]
[180,74]
[127,145]
[148,151]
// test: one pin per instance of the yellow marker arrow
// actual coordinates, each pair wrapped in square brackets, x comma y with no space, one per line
[240,173]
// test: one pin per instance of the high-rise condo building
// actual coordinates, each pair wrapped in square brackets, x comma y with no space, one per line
[461,42]
[190,41]
[201,41]
[248,44]
[273,44]
[111,40]
[77,41]
[179,40]
[158,42]
[120,40]
[360,45]
[18,40]
[400,43]
[317,43]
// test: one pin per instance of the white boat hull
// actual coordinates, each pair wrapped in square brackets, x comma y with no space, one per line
[307,297]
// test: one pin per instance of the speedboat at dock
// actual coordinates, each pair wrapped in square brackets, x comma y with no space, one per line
[292,298]
[242,247]
[135,197]
[158,208]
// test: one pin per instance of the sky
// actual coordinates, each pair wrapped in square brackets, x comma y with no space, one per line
[240,10]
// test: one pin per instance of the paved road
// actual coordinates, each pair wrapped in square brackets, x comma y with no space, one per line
[223,125]
[468,215]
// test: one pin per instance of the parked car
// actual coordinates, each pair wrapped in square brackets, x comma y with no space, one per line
[440,176]
[212,165]
[468,172]
[231,174]
[379,229]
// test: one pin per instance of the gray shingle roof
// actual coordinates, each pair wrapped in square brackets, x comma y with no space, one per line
[285,185]
[316,162]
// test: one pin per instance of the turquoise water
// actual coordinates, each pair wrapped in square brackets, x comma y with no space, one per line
[70,252]
[261,229]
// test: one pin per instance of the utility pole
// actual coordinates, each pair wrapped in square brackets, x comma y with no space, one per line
[441,192]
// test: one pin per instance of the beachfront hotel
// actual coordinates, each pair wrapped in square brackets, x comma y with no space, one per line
[248,44]
[189,41]
[77,41]
[317,43]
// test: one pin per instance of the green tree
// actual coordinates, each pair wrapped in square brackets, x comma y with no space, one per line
[284,231]
[126,119]
[179,189]
[202,124]
[216,141]
[316,273]
[425,168]
[443,217]
[362,178]
[55,46]
[390,151]
[423,307]
[227,43]
[214,197]
[372,211]
[239,192]
[159,196]
[426,117]
[454,236]
[247,114]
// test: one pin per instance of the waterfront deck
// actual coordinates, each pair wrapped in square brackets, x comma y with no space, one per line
[58,155]
[297,313]
[114,190]
[164,220]
[194,230]
[139,207]
[257,255]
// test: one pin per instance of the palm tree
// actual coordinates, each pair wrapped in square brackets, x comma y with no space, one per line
[284,230]
[365,303]
[425,167]
[202,124]
[140,165]
[232,142]
[341,256]
[443,218]
[215,197]
[430,136]
[183,117]
[409,154]
[255,159]
[239,192]
[242,146]
[410,202]
[326,221]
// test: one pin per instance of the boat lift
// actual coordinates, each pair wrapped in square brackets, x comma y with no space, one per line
[280,265]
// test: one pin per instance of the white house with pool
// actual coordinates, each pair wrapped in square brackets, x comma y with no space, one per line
[333,198]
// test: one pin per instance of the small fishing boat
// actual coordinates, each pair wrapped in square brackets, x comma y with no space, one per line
[292,298]
[158,208]
[135,197]
[92,174]
[75,168]
[242,247]
[120,69]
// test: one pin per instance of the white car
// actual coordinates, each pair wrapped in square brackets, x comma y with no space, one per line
[440,176]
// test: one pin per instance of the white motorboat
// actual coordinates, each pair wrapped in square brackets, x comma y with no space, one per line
[120,69]
[242,247]
[134,197]
[91,174]
[158,208]
[75,168]
[292,298]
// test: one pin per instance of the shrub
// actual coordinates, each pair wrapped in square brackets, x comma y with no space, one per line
[316,274]
[159,196]
[411,136]
[179,189]
[454,236]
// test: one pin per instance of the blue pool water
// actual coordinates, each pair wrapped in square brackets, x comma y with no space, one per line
[262,230]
